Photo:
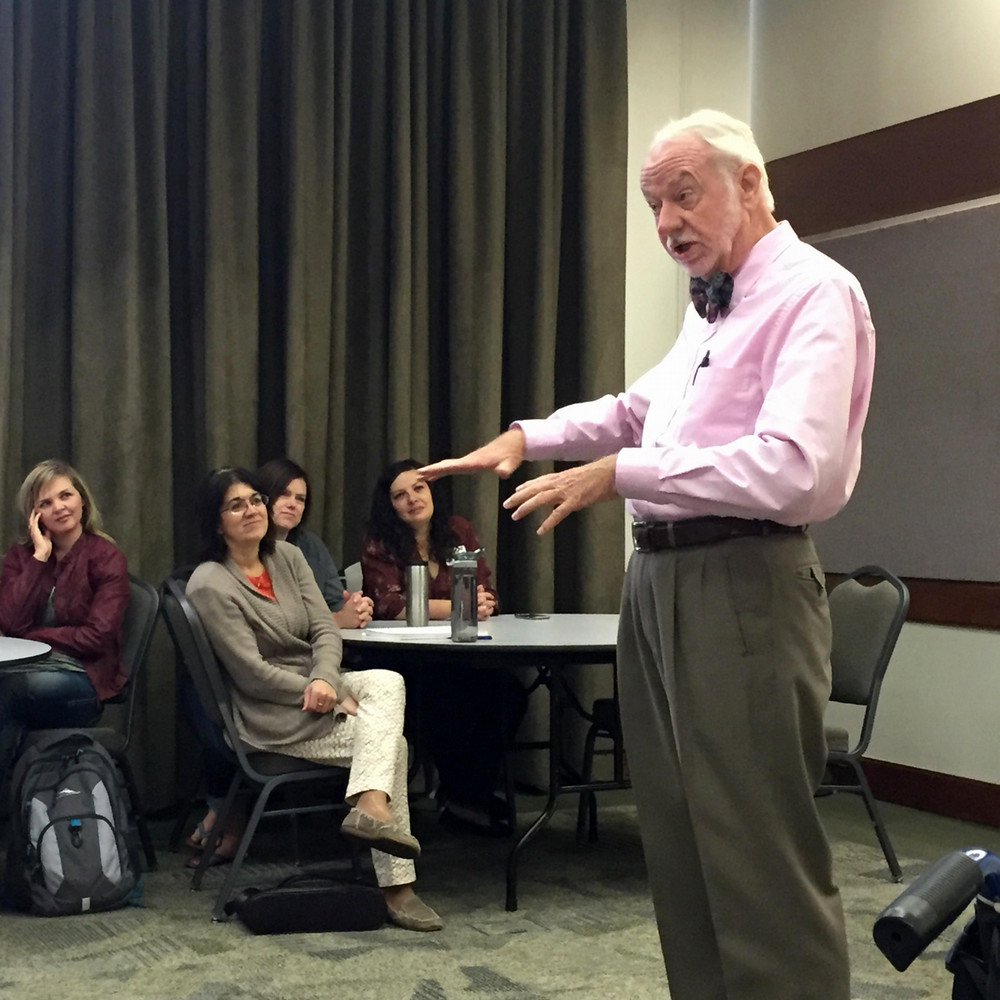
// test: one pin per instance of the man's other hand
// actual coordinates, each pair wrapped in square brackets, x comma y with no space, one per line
[572,489]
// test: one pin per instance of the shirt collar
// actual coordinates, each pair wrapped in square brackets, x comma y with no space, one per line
[762,254]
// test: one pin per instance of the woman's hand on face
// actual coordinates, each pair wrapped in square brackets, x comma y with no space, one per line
[40,540]
[487,602]
[356,612]
[319,696]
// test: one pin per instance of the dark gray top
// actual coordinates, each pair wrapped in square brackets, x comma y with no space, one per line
[329,579]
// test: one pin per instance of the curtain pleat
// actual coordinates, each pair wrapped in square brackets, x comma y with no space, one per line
[348,231]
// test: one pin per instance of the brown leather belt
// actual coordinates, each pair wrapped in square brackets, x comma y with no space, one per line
[653,536]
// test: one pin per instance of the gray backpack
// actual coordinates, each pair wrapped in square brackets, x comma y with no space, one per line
[68,850]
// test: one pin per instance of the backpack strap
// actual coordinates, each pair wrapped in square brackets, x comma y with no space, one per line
[44,740]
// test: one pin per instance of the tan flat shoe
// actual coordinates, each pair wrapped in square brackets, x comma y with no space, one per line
[415,915]
[380,835]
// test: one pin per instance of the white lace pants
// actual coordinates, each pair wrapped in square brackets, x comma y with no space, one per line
[371,744]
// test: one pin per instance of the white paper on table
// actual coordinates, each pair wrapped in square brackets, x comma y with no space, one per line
[416,631]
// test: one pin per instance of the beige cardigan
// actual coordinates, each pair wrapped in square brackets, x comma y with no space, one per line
[270,650]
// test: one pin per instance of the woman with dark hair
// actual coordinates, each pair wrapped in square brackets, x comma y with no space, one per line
[287,485]
[63,582]
[463,711]
[281,652]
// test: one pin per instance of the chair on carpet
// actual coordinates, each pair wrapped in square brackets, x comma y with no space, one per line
[137,633]
[260,771]
[605,723]
[866,621]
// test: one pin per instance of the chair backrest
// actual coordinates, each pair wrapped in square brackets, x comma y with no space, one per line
[197,655]
[866,623]
[353,578]
[138,623]
[137,633]
[199,659]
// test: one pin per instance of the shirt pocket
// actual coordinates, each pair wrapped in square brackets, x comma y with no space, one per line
[719,406]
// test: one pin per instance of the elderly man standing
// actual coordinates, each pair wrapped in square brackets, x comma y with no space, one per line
[746,432]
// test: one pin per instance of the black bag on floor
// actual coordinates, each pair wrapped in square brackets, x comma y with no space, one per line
[308,903]
[68,850]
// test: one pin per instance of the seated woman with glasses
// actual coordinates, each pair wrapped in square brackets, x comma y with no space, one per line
[64,582]
[463,711]
[287,486]
[272,631]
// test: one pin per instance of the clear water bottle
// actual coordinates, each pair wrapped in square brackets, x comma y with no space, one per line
[464,597]
[416,594]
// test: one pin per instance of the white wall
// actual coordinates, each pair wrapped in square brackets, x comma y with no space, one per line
[809,72]
[829,69]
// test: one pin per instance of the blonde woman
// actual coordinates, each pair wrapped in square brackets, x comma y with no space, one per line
[63,582]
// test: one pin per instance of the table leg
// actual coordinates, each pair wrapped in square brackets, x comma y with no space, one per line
[555,749]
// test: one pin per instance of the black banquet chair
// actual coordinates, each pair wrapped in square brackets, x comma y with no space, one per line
[137,633]
[866,620]
[258,771]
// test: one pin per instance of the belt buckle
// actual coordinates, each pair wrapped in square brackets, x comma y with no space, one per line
[671,535]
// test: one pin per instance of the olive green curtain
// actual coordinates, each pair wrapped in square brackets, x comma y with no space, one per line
[343,230]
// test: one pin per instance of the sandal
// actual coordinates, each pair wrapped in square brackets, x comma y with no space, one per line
[198,837]
[224,852]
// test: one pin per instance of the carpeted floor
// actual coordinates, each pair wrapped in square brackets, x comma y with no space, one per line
[584,928]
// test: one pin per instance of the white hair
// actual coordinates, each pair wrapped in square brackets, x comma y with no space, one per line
[731,137]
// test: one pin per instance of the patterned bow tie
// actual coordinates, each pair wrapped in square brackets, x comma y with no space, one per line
[711,295]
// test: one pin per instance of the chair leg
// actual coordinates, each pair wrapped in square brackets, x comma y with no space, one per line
[215,834]
[177,831]
[876,818]
[219,910]
[184,811]
[138,811]
[587,808]
[507,763]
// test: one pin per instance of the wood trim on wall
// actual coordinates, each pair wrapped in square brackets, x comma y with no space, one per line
[944,794]
[941,159]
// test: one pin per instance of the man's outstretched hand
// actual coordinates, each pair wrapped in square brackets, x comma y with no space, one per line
[502,455]
[567,491]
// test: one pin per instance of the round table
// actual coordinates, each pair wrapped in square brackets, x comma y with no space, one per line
[14,651]
[552,644]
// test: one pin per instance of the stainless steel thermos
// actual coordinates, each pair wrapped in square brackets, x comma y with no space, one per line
[416,594]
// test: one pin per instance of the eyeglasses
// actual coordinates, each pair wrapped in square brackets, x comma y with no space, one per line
[239,504]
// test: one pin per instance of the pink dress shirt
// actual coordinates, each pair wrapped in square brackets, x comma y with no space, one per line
[757,415]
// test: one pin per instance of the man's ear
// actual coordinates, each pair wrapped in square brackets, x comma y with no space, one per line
[749,182]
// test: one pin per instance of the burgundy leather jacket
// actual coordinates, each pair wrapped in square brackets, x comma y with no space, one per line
[90,598]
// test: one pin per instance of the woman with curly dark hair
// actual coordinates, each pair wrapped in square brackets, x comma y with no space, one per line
[462,710]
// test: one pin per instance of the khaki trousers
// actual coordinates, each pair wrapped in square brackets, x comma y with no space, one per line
[723,659]
[371,744]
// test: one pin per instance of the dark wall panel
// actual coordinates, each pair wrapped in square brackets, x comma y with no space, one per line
[926,501]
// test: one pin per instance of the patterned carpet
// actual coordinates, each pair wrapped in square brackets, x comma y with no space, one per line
[584,930]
